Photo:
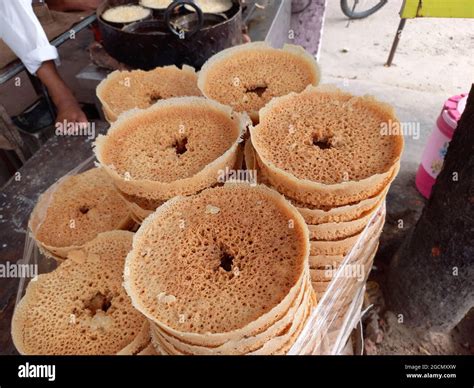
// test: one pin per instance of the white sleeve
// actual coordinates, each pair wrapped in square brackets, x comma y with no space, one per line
[23,33]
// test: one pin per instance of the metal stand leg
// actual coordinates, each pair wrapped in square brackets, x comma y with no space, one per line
[401,26]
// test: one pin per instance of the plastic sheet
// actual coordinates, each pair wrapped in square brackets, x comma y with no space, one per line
[332,321]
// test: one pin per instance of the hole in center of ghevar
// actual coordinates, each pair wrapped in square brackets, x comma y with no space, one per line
[257,89]
[226,261]
[322,142]
[84,209]
[98,302]
[180,146]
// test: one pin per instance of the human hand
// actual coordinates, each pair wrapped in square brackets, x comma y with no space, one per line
[67,107]
[69,111]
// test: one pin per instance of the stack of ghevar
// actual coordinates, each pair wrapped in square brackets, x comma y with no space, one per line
[339,307]
[81,307]
[125,90]
[330,154]
[75,210]
[178,146]
[222,272]
[248,76]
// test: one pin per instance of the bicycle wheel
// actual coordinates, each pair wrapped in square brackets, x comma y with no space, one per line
[359,9]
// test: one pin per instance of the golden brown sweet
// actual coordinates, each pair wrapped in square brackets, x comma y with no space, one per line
[81,307]
[75,210]
[325,147]
[125,90]
[216,268]
[178,146]
[248,76]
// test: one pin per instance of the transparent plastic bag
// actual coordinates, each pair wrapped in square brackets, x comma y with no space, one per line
[339,310]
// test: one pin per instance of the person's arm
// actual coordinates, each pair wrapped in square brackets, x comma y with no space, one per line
[65,102]
[23,33]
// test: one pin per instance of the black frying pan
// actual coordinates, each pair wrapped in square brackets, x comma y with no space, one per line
[179,37]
